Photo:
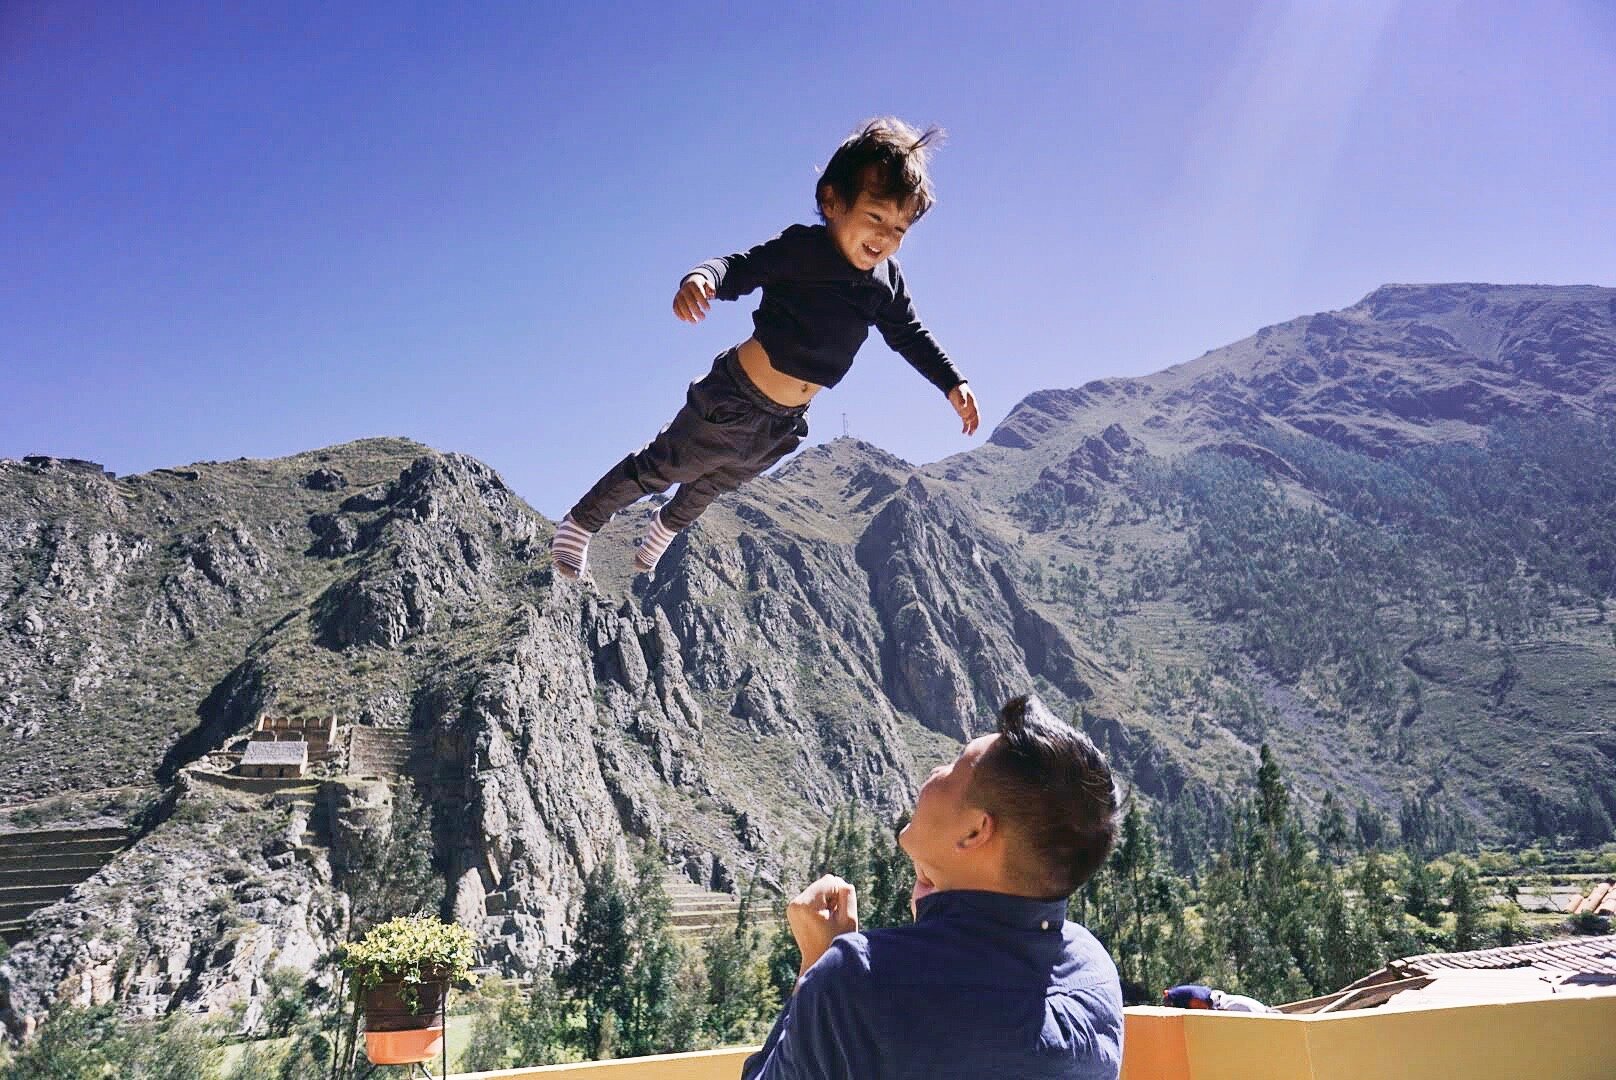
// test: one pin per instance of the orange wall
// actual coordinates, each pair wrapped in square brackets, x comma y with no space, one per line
[1566,1038]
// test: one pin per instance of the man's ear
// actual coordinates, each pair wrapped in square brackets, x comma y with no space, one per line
[981,829]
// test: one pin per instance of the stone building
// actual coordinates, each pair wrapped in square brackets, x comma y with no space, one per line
[282,760]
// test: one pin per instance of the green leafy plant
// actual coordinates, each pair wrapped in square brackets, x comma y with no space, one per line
[412,949]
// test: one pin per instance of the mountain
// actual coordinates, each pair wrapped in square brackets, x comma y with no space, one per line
[1379,539]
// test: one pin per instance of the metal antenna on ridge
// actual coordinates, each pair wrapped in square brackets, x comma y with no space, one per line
[846,431]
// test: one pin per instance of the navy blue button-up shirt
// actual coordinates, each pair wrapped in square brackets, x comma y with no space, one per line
[983,985]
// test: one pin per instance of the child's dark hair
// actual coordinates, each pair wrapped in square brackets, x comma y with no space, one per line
[1049,785]
[887,158]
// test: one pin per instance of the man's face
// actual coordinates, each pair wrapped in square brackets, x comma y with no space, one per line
[943,817]
[868,231]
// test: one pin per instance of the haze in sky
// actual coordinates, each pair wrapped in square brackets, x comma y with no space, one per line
[229,234]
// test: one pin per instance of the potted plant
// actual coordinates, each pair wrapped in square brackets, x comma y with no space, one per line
[401,971]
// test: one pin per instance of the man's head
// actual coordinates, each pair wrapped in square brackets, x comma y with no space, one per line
[875,187]
[1030,810]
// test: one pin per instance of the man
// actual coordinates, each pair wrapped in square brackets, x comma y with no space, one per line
[1196,996]
[991,980]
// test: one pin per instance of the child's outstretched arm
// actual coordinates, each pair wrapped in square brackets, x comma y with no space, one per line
[909,338]
[731,277]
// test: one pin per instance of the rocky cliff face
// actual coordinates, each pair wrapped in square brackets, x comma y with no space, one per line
[828,633]
[193,916]
[760,680]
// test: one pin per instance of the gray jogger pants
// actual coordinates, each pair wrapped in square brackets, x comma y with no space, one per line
[727,432]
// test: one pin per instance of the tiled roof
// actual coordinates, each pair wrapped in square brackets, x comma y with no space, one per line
[1592,955]
[276,753]
[1601,900]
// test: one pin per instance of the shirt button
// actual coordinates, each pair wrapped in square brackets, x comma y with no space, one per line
[1044,925]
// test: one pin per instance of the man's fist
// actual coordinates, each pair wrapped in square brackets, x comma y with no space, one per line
[693,299]
[964,403]
[820,912]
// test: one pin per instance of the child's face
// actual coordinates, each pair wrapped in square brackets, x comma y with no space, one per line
[868,231]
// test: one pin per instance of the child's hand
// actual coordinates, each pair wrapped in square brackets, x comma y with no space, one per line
[693,299]
[964,403]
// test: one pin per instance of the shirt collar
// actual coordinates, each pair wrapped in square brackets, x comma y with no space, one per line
[1019,912]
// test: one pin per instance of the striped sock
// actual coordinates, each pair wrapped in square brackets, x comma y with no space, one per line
[569,548]
[657,538]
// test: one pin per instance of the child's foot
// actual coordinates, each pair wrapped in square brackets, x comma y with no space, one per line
[569,548]
[657,538]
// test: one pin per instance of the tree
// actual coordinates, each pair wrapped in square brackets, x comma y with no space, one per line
[72,1045]
[538,1024]
[1419,891]
[90,1044]
[489,1047]
[600,955]
[1465,904]
[1370,826]
[892,879]
[784,959]
[653,964]
[310,1051]
[388,872]
[512,1028]
[286,1002]
[1344,954]
[866,854]
[1590,823]
[626,965]
[1272,797]
[1142,898]
[736,985]
[1382,920]
[1333,833]
[1510,930]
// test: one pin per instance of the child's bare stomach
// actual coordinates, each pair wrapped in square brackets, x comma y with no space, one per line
[775,384]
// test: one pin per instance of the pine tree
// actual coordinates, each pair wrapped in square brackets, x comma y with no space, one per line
[736,982]
[601,957]
[1344,955]
[1272,797]
[784,959]
[1370,826]
[1419,891]
[1142,899]
[892,879]
[1333,833]
[1465,904]
[1379,903]
[653,964]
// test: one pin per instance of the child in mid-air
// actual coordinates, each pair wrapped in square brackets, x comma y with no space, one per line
[823,287]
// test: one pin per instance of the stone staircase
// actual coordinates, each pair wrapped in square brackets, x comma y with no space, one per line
[699,913]
[380,752]
[40,866]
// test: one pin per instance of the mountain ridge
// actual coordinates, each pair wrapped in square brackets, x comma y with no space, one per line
[1246,548]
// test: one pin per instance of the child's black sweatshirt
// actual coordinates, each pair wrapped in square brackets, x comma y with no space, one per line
[817,307]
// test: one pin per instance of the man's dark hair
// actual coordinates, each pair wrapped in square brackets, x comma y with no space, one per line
[1048,785]
[887,158]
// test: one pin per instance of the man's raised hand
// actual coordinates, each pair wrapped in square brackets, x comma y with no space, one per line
[693,299]
[964,403]
[823,910]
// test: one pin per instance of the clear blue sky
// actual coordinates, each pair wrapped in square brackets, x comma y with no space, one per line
[225,234]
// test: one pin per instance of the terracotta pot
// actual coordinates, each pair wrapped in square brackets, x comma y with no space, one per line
[403,1047]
